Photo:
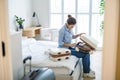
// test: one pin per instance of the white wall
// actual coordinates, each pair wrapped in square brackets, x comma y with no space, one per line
[41,7]
[25,9]
[21,8]
[16,56]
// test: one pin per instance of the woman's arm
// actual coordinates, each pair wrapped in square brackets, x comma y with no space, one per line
[77,35]
[61,40]
[69,45]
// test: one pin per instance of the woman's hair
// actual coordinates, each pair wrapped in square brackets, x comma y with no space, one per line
[71,20]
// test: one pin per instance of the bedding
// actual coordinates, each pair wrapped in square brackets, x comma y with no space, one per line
[40,58]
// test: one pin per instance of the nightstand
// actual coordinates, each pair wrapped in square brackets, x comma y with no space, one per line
[31,31]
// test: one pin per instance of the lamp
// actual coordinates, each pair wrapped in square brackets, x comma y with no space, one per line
[37,19]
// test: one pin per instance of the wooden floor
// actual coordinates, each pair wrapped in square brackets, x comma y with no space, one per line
[96,65]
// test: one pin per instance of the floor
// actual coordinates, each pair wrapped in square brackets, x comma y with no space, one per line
[96,65]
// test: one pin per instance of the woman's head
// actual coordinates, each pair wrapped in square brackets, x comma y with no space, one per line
[71,21]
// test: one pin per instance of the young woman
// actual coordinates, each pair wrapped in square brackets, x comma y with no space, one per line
[65,37]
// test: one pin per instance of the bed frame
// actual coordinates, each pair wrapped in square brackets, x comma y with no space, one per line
[63,73]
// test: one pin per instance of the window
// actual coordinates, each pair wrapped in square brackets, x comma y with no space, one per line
[86,13]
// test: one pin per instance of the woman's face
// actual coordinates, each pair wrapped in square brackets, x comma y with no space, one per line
[70,26]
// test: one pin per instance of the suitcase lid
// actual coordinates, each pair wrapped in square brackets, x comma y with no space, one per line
[89,41]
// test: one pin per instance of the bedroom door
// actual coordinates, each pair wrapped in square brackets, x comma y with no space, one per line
[1,59]
[5,62]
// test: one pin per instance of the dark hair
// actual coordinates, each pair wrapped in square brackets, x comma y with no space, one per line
[71,20]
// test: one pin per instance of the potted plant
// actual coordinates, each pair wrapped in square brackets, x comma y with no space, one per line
[20,21]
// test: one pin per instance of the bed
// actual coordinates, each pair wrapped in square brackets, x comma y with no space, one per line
[70,69]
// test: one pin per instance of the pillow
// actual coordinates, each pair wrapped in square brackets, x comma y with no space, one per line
[58,54]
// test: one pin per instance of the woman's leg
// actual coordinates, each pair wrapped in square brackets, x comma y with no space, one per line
[85,59]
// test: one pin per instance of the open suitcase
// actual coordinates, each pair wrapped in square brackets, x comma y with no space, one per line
[88,44]
[38,74]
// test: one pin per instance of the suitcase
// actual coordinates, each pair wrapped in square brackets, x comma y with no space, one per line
[83,47]
[89,41]
[58,54]
[88,44]
[38,74]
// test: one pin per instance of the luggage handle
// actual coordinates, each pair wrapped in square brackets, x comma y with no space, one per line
[24,61]
[27,58]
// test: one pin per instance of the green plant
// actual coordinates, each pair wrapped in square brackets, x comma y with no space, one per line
[101,11]
[102,5]
[102,28]
[19,20]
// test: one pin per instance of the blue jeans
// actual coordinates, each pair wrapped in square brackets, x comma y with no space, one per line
[85,59]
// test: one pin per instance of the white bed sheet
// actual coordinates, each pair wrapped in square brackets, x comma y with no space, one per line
[37,49]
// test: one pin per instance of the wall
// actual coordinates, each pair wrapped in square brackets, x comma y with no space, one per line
[16,57]
[25,9]
[22,8]
[41,7]
[110,39]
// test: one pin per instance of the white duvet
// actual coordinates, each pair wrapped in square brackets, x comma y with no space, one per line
[40,57]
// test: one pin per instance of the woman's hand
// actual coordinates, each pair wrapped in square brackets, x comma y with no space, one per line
[81,34]
[73,45]
[78,35]
[70,45]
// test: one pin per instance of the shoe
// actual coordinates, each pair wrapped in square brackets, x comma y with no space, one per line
[91,71]
[91,74]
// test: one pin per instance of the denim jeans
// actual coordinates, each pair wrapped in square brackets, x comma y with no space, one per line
[85,59]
